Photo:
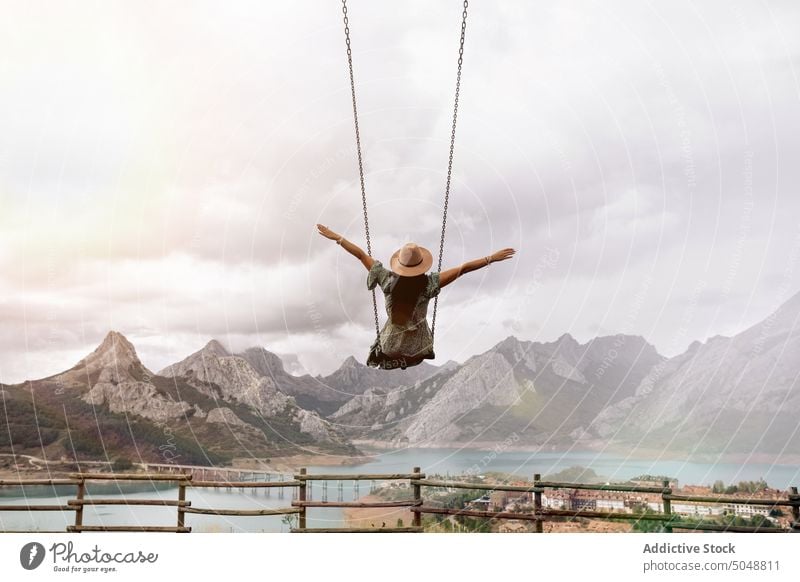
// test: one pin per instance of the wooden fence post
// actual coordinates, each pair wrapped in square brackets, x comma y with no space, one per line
[301,496]
[79,509]
[417,521]
[667,504]
[181,499]
[537,504]
[793,496]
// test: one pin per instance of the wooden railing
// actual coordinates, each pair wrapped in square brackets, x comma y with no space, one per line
[28,507]
[303,504]
[666,516]
[183,482]
[416,479]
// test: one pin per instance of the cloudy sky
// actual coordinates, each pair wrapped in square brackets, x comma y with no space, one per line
[162,166]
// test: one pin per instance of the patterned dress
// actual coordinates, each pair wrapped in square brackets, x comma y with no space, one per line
[400,346]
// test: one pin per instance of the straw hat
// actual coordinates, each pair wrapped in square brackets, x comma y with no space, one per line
[411,260]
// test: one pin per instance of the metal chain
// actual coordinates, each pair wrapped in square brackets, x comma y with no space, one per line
[450,160]
[360,159]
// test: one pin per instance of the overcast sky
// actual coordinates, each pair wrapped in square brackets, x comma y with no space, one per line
[162,166]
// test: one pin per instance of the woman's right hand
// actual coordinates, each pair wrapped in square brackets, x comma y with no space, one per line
[327,232]
[502,255]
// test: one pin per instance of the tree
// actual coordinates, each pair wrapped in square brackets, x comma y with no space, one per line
[122,464]
[761,521]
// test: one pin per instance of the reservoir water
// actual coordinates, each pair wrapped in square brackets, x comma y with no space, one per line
[452,462]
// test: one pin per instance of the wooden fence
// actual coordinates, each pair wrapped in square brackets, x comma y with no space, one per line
[417,481]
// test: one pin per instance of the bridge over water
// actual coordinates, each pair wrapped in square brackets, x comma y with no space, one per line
[224,474]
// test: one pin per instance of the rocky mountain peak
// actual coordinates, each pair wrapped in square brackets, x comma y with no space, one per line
[264,362]
[215,348]
[351,362]
[117,344]
[631,344]
[115,356]
[510,342]
[115,340]
[694,346]
[516,351]
[566,338]
[198,361]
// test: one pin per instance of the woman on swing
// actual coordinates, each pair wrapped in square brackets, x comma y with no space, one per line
[406,339]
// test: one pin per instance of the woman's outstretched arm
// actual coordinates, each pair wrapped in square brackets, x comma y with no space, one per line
[450,275]
[351,248]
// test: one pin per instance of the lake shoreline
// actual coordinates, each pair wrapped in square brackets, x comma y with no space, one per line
[497,448]
[288,464]
[377,451]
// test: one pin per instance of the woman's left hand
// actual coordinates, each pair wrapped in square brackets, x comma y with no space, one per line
[327,232]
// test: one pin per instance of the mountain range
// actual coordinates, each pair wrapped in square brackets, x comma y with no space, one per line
[537,392]
[738,394]
[727,396]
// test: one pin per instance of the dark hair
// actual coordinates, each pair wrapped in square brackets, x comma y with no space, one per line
[405,294]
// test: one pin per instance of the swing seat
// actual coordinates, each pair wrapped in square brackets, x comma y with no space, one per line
[377,358]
